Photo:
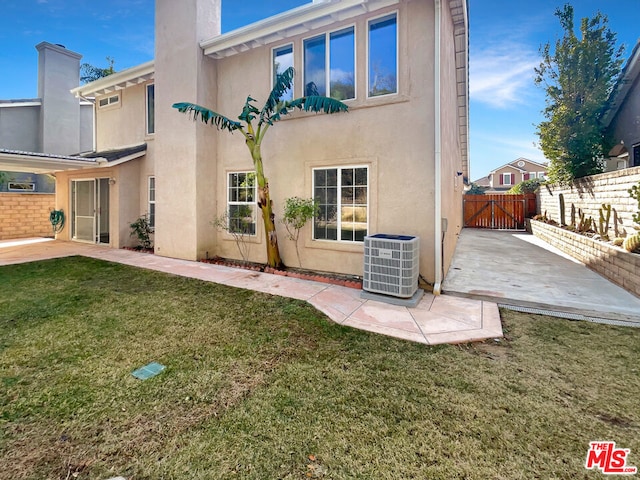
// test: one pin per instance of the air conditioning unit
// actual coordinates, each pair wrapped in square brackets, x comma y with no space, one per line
[391,264]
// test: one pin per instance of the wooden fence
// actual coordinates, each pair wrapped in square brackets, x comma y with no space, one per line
[498,212]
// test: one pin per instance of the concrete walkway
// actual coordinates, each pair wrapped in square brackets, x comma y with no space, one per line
[516,268]
[436,320]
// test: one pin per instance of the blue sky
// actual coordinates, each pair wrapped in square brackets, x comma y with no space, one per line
[505,36]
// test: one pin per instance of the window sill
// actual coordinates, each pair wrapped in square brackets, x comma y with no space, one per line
[334,245]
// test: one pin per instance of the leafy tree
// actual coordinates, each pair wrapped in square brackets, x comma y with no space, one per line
[475,189]
[528,186]
[273,110]
[578,77]
[89,73]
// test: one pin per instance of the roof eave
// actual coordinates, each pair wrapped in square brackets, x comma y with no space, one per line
[288,24]
[117,81]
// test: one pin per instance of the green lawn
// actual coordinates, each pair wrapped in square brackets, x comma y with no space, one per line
[264,387]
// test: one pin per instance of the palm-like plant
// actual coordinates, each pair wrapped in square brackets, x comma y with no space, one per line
[272,111]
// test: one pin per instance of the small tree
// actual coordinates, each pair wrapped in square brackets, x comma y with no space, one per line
[273,110]
[297,212]
[579,76]
[238,227]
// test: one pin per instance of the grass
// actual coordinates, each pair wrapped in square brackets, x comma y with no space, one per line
[262,387]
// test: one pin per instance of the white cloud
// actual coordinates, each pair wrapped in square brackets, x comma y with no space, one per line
[502,76]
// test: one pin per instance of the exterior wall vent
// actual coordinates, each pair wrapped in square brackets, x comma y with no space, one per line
[391,264]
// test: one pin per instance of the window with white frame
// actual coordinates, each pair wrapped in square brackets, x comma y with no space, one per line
[343,198]
[151,109]
[152,202]
[111,100]
[241,202]
[329,64]
[283,59]
[21,186]
[383,56]
[506,179]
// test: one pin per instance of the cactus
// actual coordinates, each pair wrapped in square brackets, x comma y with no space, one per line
[618,241]
[616,222]
[573,215]
[562,211]
[632,243]
[603,221]
[585,223]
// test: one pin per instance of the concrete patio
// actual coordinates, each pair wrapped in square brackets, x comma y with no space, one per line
[436,319]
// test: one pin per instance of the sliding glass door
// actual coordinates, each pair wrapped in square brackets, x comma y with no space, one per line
[90,210]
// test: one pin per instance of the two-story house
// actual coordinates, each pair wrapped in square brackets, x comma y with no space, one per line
[622,118]
[503,178]
[389,165]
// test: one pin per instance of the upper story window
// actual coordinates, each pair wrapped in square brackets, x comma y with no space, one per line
[111,100]
[343,198]
[329,65]
[283,59]
[507,178]
[242,203]
[151,122]
[383,56]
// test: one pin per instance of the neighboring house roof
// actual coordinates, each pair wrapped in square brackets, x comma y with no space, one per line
[514,164]
[630,72]
[34,162]
[23,102]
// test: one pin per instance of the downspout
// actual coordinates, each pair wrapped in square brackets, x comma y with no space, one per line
[437,241]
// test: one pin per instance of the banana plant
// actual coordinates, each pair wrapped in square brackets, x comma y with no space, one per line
[254,132]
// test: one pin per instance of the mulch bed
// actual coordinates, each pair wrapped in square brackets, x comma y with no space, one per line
[351,281]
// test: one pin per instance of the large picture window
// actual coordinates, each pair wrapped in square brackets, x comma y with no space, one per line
[329,65]
[242,202]
[383,56]
[343,197]
[283,59]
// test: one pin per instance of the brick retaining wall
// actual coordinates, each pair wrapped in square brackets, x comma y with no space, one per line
[590,193]
[613,263]
[24,215]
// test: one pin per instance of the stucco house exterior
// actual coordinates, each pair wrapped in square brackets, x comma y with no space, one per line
[622,118]
[393,164]
[503,178]
[56,122]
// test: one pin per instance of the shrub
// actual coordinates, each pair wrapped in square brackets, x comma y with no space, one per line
[142,230]
[528,186]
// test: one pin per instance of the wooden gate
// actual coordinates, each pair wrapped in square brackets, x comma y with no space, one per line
[498,212]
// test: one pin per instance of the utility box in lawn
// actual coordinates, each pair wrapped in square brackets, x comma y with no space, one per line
[391,264]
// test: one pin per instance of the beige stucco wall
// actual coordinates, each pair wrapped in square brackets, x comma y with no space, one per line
[185,155]
[392,135]
[451,161]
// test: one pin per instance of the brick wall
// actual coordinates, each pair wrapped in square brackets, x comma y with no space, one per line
[590,193]
[614,263]
[24,215]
